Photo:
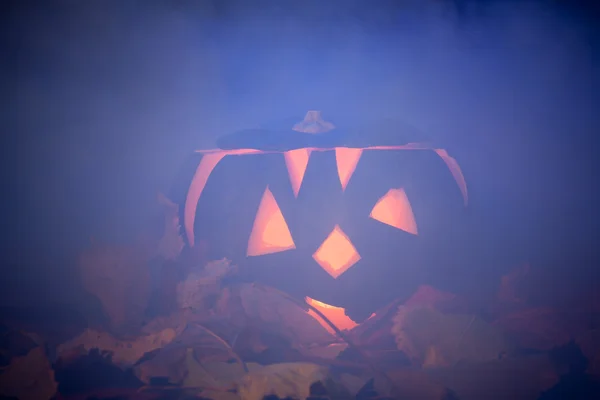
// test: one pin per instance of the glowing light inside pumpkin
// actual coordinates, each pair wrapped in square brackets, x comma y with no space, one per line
[336,315]
[206,166]
[394,209]
[337,253]
[346,159]
[344,156]
[296,162]
[270,233]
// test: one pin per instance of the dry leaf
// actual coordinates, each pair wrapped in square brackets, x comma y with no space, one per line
[28,377]
[177,321]
[541,328]
[428,296]
[411,384]
[15,343]
[510,290]
[170,361]
[429,337]
[377,329]
[171,243]
[219,380]
[222,375]
[165,363]
[282,380]
[328,351]
[202,284]
[520,378]
[352,383]
[279,314]
[589,342]
[119,277]
[124,352]
[434,358]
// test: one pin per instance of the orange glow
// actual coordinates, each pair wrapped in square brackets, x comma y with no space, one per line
[296,162]
[394,209]
[336,253]
[270,233]
[336,315]
[456,172]
[347,159]
[206,166]
[237,152]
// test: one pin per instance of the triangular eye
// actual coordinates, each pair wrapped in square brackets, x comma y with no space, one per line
[270,233]
[394,209]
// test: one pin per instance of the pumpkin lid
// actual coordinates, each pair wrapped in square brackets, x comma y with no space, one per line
[317,132]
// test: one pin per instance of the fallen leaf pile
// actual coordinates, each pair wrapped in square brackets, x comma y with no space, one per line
[28,377]
[120,278]
[200,289]
[229,340]
[282,380]
[589,341]
[171,242]
[432,339]
[119,275]
[124,352]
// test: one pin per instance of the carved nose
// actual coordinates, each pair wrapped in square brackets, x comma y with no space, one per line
[337,253]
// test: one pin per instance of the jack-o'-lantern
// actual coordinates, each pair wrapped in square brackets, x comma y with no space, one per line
[342,217]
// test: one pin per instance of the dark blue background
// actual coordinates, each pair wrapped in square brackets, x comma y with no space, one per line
[103,100]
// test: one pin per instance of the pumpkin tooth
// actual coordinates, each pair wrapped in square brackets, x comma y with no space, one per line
[346,159]
[296,162]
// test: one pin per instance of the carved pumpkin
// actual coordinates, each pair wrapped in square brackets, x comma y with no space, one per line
[323,212]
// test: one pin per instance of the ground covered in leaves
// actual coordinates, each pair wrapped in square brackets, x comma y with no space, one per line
[247,341]
[179,327]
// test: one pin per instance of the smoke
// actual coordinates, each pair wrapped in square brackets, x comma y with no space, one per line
[112,96]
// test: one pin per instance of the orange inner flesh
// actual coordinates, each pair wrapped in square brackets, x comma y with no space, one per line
[394,209]
[337,253]
[270,233]
[346,159]
[296,161]
[334,314]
